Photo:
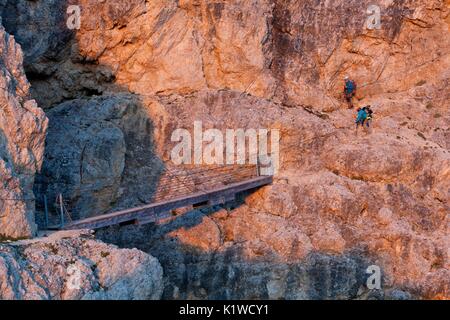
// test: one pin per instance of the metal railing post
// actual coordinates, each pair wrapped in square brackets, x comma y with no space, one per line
[258,170]
[46,211]
[61,208]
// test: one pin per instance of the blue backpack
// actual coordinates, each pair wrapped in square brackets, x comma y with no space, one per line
[362,115]
[349,86]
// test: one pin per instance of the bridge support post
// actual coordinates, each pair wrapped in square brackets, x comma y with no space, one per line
[45,211]
[61,208]
[258,170]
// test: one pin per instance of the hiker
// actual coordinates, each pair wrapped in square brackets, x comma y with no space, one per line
[369,116]
[361,117]
[349,91]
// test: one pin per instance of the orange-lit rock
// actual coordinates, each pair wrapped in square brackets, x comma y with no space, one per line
[343,200]
[72,265]
[22,137]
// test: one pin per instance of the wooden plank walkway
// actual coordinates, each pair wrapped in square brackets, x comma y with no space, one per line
[162,209]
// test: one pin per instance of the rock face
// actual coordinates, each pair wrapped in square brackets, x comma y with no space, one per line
[22,137]
[342,201]
[295,53]
[74,266]
[99,154]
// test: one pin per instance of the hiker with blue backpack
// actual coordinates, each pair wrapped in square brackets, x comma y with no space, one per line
[349,91]
[361,117]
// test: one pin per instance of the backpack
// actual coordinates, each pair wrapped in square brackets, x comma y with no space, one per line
[362,115]
[350,86]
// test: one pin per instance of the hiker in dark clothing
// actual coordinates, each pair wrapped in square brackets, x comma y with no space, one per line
[349,91]
[369,116]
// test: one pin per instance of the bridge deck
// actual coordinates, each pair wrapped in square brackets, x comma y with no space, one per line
[159,210]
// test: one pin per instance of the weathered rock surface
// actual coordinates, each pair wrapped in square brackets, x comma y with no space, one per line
[373,197]
[22,137]
[74,266]
[99,154]
[342,200]
[287,51]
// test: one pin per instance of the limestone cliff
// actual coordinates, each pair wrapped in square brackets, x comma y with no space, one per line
[73,266]
[22,137]
[134,71]
[66,265]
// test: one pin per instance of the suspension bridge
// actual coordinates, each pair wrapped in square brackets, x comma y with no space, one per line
[188,188]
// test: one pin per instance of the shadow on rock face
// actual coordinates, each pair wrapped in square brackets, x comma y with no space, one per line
[193,273]
[40,28]
[99,155]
